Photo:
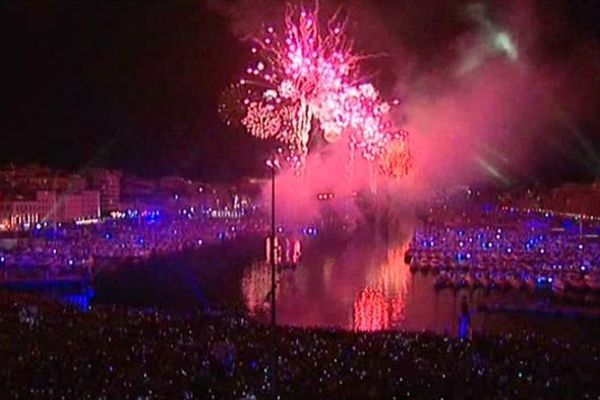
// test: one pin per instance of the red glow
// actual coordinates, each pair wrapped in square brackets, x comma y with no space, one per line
[371,311]
[308,82]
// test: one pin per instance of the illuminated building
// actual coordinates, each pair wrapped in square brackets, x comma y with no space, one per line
[84,205]
[20,213]
[108,183]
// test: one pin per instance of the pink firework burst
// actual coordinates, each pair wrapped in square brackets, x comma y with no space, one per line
[262,120]
[311,84]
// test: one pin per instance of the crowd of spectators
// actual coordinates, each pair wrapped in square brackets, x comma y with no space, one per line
[52,352]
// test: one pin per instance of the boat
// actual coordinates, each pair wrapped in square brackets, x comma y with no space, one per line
[460,281]
[558,286]
[512,281]
[424,265]
[592,282]
[441,281]
[435,265]
[408,257]
[575,282]
[481,280]
[414,266]
[497,281]
[470,280]
[528,282]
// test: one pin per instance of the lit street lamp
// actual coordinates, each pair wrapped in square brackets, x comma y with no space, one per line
[273,164]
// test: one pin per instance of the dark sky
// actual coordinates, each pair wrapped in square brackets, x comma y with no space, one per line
[134,84]
[119,83]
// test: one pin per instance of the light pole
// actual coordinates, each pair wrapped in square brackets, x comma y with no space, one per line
[273,164]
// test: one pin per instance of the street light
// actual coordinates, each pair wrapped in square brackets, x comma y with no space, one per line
[273,164]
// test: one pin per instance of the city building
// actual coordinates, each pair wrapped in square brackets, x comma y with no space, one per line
[108,183]
[30,178]
[133,187]
[79,207]
[20,213]
[176,185]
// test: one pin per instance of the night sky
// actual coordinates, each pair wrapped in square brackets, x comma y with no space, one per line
[134,84]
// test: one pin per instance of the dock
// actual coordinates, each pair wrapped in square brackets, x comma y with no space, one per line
[542,310]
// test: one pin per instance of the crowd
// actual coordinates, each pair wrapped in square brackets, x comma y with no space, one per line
[51,352]
[508,249]
[72,250]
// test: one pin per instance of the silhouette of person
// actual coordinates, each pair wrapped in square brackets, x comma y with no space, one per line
[464,320]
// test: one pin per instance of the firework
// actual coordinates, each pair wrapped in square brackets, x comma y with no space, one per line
[310,83]
[262,121]
[234,102]
[395,161]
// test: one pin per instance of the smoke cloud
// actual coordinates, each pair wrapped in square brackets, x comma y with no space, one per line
[490,92]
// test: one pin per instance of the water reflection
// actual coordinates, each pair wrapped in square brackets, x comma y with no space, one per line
[82,300]
[380,305]
[256,285]
[360,284]
[288,251]
[352,285]
[371,311]
[364,285]
[256,281]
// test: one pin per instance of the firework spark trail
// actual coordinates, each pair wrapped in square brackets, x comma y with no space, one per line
[233,103]
[310,84]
